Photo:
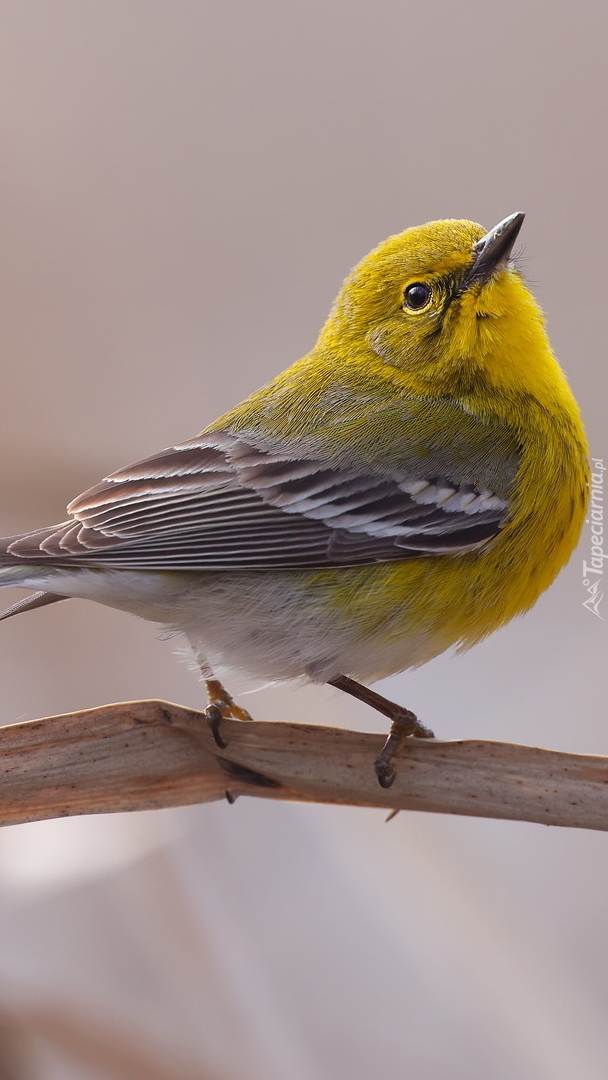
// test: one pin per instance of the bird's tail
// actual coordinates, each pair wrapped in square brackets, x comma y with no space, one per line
[18,575]
[39,599]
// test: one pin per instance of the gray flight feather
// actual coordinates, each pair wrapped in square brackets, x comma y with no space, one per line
[226,501]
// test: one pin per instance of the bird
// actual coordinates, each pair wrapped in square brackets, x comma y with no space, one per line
[410,485]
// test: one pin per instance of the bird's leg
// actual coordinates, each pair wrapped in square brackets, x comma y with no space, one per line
[404,723]
[221,705]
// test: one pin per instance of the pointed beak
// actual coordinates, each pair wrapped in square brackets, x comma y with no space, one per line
[492,252]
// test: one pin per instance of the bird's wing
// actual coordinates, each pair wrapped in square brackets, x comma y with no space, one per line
[222,501]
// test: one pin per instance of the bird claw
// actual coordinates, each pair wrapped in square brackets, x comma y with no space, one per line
[214,717]
[385,772]
[221,707]
[421,731]
[405,726]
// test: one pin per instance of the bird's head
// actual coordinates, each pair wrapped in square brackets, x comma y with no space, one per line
[443,304]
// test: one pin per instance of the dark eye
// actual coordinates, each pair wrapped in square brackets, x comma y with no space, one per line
[417,295]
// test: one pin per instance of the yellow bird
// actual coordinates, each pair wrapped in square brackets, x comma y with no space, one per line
[411,484]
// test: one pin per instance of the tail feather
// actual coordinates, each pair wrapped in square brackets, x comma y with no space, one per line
[14,572]
[39,599]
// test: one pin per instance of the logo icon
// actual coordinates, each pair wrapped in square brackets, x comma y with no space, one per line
[592,603]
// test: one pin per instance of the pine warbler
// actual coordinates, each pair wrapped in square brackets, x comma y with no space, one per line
[411,484]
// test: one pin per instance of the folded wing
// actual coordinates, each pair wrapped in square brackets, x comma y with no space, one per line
[219,502]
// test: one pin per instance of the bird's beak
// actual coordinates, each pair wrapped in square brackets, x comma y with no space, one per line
[493,250]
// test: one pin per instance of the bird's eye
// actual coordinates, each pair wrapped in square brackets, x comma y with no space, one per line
[417,295]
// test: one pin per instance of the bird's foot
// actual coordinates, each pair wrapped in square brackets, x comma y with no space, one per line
[404,724]
[221,706]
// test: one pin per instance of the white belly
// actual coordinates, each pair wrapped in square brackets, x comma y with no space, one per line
[260,627]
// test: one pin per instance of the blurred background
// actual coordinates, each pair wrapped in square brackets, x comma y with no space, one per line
[183,186]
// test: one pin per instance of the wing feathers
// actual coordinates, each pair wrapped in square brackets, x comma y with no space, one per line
[220,502]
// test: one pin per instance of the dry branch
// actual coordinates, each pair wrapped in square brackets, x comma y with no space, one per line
[143,755]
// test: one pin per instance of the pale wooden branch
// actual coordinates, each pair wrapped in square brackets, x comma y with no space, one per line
[144,755]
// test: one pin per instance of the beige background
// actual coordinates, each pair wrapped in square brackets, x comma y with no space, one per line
[183,186]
